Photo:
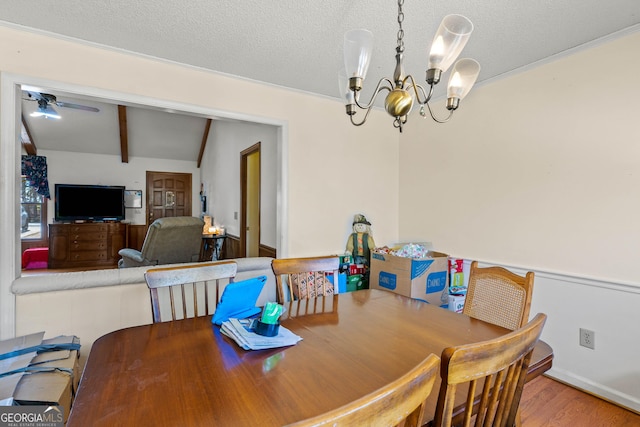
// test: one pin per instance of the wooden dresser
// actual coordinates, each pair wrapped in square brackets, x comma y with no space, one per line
[86,244]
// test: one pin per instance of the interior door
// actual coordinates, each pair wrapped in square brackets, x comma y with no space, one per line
[250,203]
[168,194]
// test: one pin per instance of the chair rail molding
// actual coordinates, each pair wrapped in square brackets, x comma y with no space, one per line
[572,302]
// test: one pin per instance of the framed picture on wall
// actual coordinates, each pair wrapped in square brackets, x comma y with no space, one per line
[133,199]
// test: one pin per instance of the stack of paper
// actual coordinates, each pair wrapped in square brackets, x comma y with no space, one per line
[241,331]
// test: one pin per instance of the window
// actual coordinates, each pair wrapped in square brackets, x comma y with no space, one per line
[33,213]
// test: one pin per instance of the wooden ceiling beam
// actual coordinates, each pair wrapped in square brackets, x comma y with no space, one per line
[124,140]
[27,140]
[203,144]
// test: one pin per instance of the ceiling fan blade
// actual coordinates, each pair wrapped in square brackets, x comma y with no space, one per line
[77,106]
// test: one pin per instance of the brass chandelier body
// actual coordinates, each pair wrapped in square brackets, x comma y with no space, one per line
[403,91]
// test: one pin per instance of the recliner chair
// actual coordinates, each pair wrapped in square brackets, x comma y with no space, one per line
[169,240]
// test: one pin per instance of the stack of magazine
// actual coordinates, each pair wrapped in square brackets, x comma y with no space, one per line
[242,332]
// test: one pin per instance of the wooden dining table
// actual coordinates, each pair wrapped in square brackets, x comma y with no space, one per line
[187,373]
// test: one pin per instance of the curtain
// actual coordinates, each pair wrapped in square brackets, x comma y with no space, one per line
[35,169]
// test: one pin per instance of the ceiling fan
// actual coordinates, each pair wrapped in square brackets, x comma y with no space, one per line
[46,110]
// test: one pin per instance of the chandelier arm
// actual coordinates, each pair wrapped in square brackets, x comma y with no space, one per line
[435,118]
[364,119]
[419,89]
[379,88]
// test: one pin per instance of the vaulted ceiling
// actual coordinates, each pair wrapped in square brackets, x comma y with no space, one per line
[125,131]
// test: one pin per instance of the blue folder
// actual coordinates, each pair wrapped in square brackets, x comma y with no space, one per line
[239,300]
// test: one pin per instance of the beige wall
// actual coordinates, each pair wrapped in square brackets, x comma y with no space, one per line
[330,169]
[540,169]
[220,173]
[361,162]
[80,168]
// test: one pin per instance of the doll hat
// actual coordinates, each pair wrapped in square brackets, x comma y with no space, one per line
[360,219]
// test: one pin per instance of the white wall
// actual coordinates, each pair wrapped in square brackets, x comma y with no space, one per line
[541,170]
[99,169]
[220,173]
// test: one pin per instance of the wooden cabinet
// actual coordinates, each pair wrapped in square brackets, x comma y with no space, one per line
[86,245]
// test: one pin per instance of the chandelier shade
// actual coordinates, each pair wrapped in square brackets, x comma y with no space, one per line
[464,75]
[358,45]
[451,37]
[403,91]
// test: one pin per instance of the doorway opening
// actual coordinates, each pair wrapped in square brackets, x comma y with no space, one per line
[10,121]
[250,201]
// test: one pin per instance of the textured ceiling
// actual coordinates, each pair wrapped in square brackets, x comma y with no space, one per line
[298,44]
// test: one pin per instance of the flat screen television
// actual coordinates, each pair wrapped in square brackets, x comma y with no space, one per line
[75,202]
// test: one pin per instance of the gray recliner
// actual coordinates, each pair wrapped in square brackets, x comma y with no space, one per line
[169,240]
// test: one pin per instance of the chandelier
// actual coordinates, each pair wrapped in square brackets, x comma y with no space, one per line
[450,39]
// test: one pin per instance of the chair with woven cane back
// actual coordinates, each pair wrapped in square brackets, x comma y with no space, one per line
[498,296]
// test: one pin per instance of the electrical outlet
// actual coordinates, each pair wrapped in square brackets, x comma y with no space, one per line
[588,338]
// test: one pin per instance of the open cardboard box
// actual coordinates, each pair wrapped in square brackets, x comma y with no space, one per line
[420,278]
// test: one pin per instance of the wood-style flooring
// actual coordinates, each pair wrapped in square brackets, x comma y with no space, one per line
[546,403]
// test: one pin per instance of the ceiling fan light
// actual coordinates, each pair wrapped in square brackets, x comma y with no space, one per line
[46,112]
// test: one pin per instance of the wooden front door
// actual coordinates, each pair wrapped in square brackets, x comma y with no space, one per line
[168,194]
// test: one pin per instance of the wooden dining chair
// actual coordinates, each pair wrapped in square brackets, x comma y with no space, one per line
[300,278]
[402,399]
[188,286]
[498,296]
[498,367]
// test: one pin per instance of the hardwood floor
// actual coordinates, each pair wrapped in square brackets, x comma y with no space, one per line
[546,402]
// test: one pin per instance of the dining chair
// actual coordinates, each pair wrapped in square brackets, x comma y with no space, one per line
[498,367]
[402,399]
[498,296]
[300,278]
[188,286]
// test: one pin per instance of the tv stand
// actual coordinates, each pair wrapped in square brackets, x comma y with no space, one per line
[89,244]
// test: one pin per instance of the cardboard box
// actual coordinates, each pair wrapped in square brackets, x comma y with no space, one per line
[55,387]
[425,279]
[456,302]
